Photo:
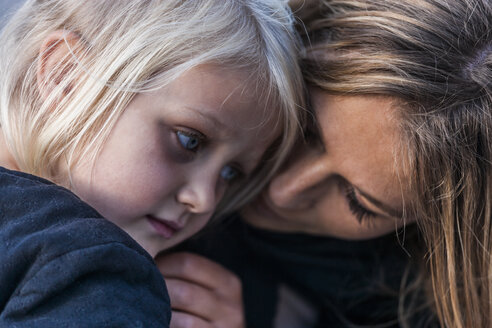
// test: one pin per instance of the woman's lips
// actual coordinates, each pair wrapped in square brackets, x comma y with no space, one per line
[163,227]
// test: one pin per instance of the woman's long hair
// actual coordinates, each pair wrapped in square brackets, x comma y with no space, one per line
[434,57]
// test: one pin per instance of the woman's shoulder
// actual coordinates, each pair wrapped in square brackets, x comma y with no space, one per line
[64,265]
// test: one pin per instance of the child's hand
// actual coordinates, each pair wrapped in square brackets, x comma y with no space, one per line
[203,293]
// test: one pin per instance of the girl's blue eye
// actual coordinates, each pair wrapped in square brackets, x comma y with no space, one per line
[229,173]
[189,141]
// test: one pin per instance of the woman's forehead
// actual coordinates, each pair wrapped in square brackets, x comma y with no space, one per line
[362,138]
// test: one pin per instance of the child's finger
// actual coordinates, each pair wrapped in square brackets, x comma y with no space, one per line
[201,271]
[205,304]
[193,299]
[203,289]
[185,320]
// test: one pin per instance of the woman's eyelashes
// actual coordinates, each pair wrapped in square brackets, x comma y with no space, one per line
[361,213]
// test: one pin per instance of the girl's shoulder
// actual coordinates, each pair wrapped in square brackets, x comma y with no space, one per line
[64,265]
[31,207]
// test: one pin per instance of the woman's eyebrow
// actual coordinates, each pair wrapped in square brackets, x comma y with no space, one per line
[380,205]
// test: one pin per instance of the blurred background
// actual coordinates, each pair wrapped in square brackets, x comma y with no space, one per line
[6,7]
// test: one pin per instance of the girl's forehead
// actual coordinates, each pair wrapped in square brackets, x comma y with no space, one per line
[227,94]
[225,101]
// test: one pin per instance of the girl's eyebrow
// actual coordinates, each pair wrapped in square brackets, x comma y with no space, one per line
[380,205]
[212,120]
[215,126]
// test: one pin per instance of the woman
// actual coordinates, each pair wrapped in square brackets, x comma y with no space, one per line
[402,95]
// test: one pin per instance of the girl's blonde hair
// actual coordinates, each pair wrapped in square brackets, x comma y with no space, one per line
[434,57]
[129,46]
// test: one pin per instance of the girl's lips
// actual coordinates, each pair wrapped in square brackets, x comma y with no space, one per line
[163,227]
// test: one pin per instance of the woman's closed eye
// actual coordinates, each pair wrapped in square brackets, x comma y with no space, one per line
[361,213]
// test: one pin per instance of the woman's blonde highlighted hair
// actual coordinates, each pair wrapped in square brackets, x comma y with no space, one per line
[434,57]
[125,47]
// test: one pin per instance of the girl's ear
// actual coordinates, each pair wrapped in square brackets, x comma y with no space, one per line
[55,57]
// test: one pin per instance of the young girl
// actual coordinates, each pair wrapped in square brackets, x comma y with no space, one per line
[151,112]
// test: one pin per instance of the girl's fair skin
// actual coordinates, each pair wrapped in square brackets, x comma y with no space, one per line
[151,111]
[172,154]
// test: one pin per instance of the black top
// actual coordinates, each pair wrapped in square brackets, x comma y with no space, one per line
[63,265]
[347,282]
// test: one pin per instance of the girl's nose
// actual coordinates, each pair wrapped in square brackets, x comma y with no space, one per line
[301,180]
[199,196]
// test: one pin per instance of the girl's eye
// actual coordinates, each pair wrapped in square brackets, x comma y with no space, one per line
[360,212]
[189,141]
[229,173]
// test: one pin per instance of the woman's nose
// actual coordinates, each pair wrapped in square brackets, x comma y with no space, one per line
[199,196]
[299,182]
